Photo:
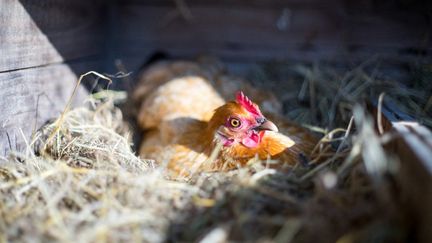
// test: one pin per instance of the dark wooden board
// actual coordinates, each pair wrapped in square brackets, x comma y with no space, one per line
[414,150]
[250,3]
[250,33]
[411,145]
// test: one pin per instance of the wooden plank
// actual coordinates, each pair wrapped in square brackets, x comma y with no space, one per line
[414,150]
[365,6]
[243,33]
[255,33]
[29,98]
[397,30]
[224,24]
[37,33]
[411,145]
[250,3]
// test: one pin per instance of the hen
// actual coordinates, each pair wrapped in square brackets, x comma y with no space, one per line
[189,127]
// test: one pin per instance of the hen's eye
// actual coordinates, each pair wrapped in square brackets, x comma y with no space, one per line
[235,122]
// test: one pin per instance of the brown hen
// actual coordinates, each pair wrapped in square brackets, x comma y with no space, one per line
[189,127]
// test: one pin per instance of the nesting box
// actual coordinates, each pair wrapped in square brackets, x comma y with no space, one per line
[45,45]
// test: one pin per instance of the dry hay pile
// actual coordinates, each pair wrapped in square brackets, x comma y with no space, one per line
[89,186]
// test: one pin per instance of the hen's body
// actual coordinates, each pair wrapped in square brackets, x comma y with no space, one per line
[178,103]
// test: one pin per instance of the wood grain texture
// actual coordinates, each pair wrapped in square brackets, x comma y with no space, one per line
[414,150]
[31,97]
[245,33]
[36,39]
[250,3]
[411,144]
[242,32]
[37,33]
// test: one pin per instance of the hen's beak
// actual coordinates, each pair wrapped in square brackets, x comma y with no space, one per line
[268,125]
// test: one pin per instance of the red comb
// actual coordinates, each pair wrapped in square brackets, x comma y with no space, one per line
[244,101]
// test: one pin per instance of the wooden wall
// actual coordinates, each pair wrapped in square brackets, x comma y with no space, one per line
[249,31]
[43,46]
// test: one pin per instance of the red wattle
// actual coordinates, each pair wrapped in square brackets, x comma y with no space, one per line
[252,141]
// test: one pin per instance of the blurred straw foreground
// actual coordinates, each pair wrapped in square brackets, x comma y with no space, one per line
[85,184]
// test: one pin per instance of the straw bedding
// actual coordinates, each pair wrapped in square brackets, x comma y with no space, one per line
[80,181]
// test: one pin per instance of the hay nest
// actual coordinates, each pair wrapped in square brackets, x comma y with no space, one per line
[85,184]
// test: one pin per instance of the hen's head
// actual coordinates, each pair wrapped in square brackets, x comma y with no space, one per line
[240,122]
